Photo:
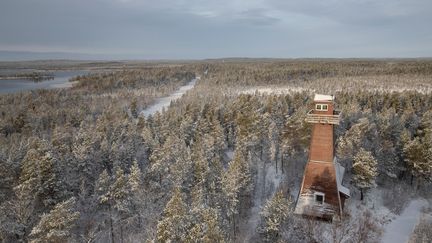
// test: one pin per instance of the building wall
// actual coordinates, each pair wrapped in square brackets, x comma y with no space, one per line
[321,148]
[321,177]
[328,112]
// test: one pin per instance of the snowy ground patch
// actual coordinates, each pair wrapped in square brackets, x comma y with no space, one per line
[396,228]
[269,185]
[164,102]
[400,229]
[271,90]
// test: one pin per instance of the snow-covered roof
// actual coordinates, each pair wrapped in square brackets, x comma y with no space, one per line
[321,97]
[340,170]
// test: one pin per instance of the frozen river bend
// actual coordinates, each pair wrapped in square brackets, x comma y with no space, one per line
[164,102]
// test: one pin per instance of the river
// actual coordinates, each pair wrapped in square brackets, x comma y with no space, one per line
[164,102]
[61,80]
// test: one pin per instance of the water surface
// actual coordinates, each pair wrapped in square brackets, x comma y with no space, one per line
[61,80]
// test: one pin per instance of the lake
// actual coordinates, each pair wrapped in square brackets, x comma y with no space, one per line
[61,80]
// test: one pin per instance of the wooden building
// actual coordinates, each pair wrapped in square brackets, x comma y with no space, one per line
[322,194]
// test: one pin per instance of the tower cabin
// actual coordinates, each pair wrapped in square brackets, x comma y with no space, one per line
[322,194]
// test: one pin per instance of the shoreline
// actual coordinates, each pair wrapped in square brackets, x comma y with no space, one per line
[40,78]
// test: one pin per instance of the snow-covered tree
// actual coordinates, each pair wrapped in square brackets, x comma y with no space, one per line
[135,177]
[38,183]
[273,214]
[234,180]
[273,137]
[365,170]
[172,228]
[118,190]
[418,156]
[200,175]
[219,136]
[205,226]
[349,144]
[187,129]
[56,225]
[171,163]
[149,142]
[134,108]
[113,195]
[136,197]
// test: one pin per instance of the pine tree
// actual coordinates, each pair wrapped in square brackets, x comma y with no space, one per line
[200,174]
[171,163]
[187,129]
[27,189]
[352,140]
[136,196]
[85,150]
[38,184]
[294,137]
[365,170]
[418,152]
[118,190]
[135,178]
[56,225]
[120,201]
[234,180]
[114,194]
[213,232]
[148,141]
[205,226]
[274,212]
[418,156]
[219,136]
[134,108]
[49,188]
[172,228]
[214,183]
[105,198]
[273,137]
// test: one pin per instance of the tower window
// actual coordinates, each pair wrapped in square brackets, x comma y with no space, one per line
[319,197]
[321,107]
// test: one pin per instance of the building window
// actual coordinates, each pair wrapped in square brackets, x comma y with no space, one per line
[319,197]
[321,107]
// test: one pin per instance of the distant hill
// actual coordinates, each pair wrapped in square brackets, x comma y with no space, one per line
[13,56]
[30,56]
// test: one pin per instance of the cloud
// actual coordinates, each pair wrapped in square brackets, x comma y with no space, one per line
[200,29]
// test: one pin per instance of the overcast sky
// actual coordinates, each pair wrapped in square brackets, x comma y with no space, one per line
[195,29]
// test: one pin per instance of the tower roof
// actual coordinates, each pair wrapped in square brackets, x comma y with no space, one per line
[321,97]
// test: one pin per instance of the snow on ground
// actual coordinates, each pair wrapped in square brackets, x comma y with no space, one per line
[400,229]
[273,178]
[279,90]
[229,154]
[397,228]
[272,181]
[271,90]
[63,85]
[373,201]
[164,102]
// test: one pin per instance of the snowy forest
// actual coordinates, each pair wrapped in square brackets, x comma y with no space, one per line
[224,162]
